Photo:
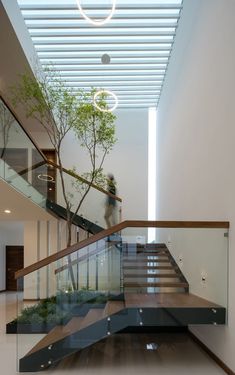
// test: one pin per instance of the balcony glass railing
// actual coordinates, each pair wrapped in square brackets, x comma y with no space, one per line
[24,167]
[118,279]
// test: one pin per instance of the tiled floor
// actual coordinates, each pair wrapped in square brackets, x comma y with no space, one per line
[122,354]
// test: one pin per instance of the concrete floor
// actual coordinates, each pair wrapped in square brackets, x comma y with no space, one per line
[121,354]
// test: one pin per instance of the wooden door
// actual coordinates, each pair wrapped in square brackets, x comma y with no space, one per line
[14,262]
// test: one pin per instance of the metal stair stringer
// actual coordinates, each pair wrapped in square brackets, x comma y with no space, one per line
[62,342]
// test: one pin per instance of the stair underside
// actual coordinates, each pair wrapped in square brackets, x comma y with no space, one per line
[139,309]
[78,323]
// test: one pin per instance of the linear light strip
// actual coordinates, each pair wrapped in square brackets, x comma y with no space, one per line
[157,64]
[123,72]
[129,97]
[32,25]
[97,59]
[152,134]
[127,82]
[122,18]
[92,40]
[131,34]
[67,6]
[107,68]
[122,91]
[114,48]
[110,38]
[97,55]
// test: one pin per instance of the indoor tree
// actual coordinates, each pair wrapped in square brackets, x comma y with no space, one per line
[59,110]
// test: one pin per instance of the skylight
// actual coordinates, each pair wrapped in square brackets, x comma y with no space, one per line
[138,39]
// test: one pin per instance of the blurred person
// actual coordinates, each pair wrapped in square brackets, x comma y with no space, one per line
[110,207]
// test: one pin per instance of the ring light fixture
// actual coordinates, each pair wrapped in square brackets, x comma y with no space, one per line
[45,177]
[97,22]
[109,93]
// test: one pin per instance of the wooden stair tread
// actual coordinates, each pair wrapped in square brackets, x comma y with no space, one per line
[143,261]
[167,300]
[152,275]
[58,333]
[146,267]
[146,257]
[155,284]
[146,253]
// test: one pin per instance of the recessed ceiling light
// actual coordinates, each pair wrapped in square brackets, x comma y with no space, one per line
[7,211]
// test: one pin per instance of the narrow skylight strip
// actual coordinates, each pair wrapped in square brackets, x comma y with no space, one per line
[97,60]
[99,13]
[77,36]
[130,97]
[57,6]
[116,23]
[108,39]
[124,92]
[154,72]
[110,81]
[152,165]
[126,19]
[122,48]
[119,67]
[90,65]
[133,100]
[96,54]
[101,32]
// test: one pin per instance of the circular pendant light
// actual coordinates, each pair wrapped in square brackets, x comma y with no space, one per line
[108,93]
[97,22]
[46,177]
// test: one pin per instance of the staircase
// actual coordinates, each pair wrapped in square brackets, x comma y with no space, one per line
[78,220]
[151,266]
[156,293]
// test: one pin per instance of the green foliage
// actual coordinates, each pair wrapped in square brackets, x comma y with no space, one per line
[58,309]
[47,100]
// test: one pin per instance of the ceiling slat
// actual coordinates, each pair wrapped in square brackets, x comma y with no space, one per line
[139,40]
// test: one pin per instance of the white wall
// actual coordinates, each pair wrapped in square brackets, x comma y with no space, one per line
[196,137]
[11,234]
[128,161]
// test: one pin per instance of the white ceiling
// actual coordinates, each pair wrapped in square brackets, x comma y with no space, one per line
[138,39]
[21,207]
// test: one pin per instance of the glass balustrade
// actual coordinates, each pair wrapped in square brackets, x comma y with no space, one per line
[141,276]
[24,167]
[58,296]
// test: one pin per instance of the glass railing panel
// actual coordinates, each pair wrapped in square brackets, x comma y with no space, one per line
[201,255]
[23,166]
[52,298]
[95,267]
[93,206]
[18,156]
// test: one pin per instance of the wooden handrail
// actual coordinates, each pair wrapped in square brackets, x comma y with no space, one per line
[75,175]
[116,228]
